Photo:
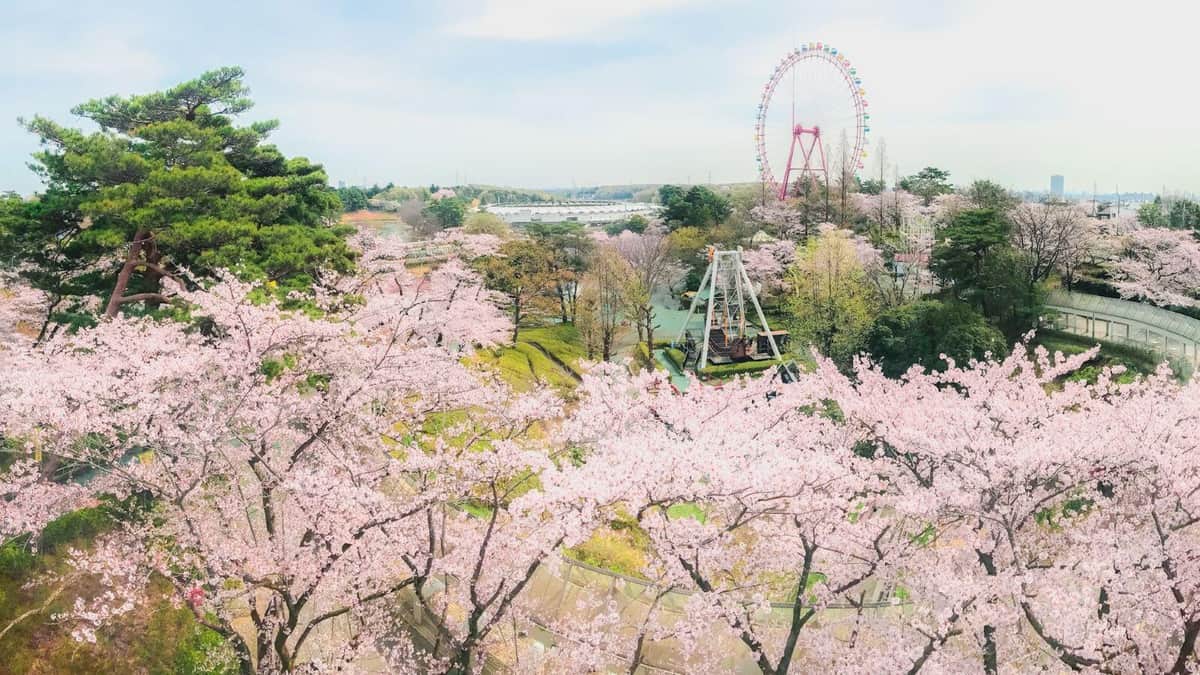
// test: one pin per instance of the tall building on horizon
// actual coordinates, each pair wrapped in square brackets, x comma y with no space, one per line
[1056,186]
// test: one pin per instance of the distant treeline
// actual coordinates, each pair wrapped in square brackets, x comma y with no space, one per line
[355,197]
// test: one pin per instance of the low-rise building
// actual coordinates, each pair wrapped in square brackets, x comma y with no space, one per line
[587,213]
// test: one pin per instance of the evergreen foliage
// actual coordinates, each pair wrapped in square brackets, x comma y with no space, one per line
[168,183]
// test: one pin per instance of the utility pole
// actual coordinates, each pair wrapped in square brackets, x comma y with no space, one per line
[882,179]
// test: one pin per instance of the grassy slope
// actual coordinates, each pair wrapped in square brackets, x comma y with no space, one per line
[525,365]
[155,638]
[1136,361]
[620,547]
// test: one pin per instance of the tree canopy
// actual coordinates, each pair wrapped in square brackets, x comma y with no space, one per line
[698,206]
[831,301]
[169,183]
[523,272]
[975,259]
[872,186]
[353,198]
[927,332]
[447,211]
[1177,213]
[928,183]
[986,194]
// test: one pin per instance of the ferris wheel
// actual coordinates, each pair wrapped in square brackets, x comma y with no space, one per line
[813,114]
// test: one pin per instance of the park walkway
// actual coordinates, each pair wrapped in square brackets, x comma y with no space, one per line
[1167,334]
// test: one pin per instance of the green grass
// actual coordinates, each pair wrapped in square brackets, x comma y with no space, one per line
[525,366]
[155,638]
[1137,361]
[478,510]
[622,547]
[610,550]
[562,340]
[692,511]
[676,356]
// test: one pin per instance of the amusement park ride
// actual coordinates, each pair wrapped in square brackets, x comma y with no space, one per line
[828,103]
[827,96]
[729,335]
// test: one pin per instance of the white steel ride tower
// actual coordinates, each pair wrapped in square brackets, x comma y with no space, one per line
[727,336]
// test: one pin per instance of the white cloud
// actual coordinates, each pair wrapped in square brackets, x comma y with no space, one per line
[555,19]
[97,56]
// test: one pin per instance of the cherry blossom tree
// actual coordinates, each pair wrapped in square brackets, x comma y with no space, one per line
[649,255]
[741,514]
[472,245]
[892,209]
[22,310]
[785,221]
[602,302]
[1030,523]
[320,482]
[302,469]
[1047,489]
[945,207]
[1054,236]
[899,266]
[1162,266]
[768,264]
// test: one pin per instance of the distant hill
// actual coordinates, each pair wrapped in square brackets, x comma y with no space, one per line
[486,194]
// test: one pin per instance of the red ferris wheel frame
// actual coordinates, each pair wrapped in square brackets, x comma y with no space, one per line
[808,139]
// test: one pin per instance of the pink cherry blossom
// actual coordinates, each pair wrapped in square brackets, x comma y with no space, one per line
[322,482]
[309,467]
[22,311]
[1162,266]
[768,264]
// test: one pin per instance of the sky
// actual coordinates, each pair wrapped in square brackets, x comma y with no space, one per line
[555,93]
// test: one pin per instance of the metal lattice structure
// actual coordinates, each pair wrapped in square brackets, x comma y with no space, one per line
[729,334]
[827,101]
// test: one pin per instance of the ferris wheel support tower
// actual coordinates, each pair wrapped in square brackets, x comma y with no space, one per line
[809,170]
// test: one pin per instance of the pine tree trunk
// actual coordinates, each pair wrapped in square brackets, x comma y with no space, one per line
[131,262]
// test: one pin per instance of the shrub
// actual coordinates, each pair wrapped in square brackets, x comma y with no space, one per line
[16,559]
[919,333]
[608,551]
[676,356]
[1135,358]
[643,356]
[1094,286]
[72,527]
[727,370]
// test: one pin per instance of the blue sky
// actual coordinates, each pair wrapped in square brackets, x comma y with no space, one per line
[555,92]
